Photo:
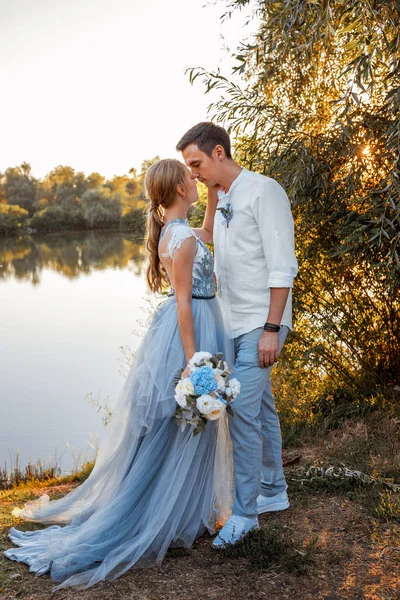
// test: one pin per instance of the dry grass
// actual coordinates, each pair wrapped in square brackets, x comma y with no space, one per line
[352,554]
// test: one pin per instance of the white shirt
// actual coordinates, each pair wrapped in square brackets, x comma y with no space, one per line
[255,253]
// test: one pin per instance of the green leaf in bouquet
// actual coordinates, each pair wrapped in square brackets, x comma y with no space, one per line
[214,362]
[177,377]
[229,410]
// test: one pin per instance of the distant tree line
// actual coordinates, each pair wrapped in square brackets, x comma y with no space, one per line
[69,200]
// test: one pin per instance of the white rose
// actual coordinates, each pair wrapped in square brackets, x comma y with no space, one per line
[215,414]
[200,358]
[181,400]
[219,408]
[205,403]
[184,387]
[234,385]
[210,407]
[228,392]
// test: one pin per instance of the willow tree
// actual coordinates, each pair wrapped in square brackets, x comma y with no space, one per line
[313,101]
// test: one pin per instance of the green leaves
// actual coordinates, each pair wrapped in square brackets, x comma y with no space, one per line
[317,108]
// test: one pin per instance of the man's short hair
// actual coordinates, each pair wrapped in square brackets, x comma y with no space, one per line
[206,136]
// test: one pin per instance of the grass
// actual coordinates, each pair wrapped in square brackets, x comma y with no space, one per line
[42,471]
[22,488]
[360,461]
[339,539]
[271,549]
[377,496]
[32,471]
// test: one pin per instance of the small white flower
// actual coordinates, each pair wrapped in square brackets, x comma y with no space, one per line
[184,387]
[228,392]
[234,385]
[181,400]
[200,358]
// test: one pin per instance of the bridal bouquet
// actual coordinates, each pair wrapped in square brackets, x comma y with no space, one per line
[206,393]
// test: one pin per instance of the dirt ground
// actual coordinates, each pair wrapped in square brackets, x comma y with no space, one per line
[354,556]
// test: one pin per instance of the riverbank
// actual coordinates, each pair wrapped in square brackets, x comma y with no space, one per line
[339,540]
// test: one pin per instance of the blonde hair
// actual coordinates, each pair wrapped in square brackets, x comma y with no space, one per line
[160,182]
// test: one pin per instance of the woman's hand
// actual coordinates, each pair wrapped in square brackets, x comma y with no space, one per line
[205,233]
[186,372]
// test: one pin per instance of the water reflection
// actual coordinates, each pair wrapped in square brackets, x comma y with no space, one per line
[68,304]
[71,254]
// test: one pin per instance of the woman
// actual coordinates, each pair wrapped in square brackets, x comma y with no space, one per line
[153,485]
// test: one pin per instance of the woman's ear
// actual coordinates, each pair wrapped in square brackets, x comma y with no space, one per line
[181,190]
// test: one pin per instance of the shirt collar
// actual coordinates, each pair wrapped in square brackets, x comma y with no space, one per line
[235,182]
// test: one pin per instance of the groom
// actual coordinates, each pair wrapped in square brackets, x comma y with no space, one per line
[255,266]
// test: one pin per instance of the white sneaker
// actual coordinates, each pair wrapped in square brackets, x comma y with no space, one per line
[234,529]
[272,503]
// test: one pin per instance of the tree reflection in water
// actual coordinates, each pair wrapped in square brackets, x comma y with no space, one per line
[69,253]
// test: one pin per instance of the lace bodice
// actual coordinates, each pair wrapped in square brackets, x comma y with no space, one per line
[171,239]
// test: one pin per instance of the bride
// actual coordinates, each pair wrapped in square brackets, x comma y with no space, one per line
[153,486]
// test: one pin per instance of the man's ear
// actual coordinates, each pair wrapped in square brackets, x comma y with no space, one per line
[219,152]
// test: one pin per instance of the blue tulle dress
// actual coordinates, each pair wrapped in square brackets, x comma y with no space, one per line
[153,485]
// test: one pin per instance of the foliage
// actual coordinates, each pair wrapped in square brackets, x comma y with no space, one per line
[19,187]
[134,220]
[57,218]
[314,101]
[69,200]
[12,218]
[99,210]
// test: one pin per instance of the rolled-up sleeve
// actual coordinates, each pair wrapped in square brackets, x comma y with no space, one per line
[271,210]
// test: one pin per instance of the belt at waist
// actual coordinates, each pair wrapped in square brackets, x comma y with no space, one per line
[197,297]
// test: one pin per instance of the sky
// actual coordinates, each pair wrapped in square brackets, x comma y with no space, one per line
[99,85]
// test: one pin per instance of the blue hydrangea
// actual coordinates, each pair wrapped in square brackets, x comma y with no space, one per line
[204,381]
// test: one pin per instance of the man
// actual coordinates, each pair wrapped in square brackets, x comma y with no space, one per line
[255,266]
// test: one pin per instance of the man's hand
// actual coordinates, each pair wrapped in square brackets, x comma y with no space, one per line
[268,349]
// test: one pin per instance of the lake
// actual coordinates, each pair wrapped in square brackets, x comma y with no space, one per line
[69,304]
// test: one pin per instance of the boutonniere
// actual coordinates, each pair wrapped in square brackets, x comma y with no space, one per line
[226,212]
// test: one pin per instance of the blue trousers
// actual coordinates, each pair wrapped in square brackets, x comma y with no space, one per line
[254,428]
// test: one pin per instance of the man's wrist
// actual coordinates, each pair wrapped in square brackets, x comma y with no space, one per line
[271,327]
